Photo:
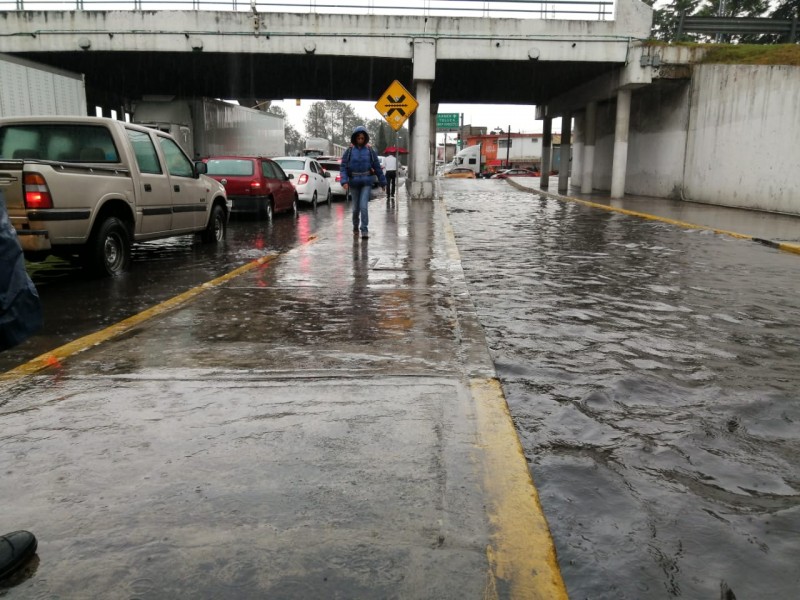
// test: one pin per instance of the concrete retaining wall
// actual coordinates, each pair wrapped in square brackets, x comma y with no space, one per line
[729,137]
[743,141]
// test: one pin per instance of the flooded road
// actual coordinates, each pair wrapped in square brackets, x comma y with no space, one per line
[652,373]
[75,304]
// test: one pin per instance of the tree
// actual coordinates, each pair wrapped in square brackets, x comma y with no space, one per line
[787,9]
[315,120]
[294,141]
[332,120]
[666,19]
[734,8]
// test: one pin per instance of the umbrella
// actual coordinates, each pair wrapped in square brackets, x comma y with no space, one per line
[395,150]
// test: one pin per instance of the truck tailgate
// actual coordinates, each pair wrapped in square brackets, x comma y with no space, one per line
[11,185]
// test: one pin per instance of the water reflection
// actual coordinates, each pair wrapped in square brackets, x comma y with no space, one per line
[75,304]
[652,374]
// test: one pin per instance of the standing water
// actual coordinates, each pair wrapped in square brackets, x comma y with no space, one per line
[652,373]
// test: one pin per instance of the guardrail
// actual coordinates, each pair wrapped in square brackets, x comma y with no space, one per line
[595,10]
[737,26]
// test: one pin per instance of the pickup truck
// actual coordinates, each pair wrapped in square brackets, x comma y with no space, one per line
[91,186]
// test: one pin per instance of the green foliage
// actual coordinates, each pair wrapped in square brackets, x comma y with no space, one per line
[335,120]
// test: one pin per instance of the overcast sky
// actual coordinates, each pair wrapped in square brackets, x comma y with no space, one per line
[521,118]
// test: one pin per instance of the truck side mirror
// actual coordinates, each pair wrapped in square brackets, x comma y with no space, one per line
[200,168]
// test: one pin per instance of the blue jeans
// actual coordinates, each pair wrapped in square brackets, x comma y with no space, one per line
[360,197]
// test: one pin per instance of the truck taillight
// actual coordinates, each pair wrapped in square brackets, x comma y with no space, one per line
[303,179]
[37,194]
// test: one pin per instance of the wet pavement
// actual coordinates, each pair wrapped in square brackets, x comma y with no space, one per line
[326,424]
[323,424]
[651,372]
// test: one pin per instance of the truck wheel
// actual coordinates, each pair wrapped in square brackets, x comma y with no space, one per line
[215,230]
[108,252]
[314,201]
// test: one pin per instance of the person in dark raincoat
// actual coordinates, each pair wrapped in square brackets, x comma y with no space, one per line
[20,309]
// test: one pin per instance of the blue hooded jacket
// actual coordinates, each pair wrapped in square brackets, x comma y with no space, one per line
[20,310]
[359,163]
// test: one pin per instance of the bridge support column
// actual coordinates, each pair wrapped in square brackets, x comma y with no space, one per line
[576,172]
[566,142]
[547,148]
[424,74]
[620,164]
[589,138]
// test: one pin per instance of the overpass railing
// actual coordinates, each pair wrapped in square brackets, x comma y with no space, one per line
[737,26]
[594,10]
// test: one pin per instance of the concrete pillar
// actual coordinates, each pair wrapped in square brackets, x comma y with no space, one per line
[547,146]
[422,184]
[566,142]
[423,135]
[410,166]
[432,146]
[620,164]
[577,150]
[590,135]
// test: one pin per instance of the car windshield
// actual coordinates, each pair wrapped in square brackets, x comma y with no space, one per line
[292,165]
[230,166]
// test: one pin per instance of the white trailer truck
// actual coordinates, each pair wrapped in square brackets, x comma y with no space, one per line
[28,88]
[206,127]
[469,157]
[317,146]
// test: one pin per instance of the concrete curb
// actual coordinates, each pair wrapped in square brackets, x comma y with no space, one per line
[521,554]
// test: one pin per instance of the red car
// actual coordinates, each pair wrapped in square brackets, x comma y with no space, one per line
[255,184]
[516,173]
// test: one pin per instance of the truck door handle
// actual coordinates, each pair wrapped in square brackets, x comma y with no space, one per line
[176,187]
[148,187]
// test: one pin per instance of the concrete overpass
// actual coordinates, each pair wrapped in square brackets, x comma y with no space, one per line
[128,54]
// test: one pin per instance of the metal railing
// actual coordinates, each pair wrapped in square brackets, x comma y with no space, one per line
[595,10]
[737,26]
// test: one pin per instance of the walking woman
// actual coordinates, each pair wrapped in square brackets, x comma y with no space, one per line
[359,164]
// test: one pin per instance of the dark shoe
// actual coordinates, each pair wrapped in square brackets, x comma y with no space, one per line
[16,549]
[364,235]
[355,232]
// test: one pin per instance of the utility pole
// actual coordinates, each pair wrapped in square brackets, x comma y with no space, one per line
[508,148]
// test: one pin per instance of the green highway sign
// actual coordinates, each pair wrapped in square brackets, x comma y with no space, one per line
[447,121]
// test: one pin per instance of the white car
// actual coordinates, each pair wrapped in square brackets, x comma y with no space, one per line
[308,177]
[333,166]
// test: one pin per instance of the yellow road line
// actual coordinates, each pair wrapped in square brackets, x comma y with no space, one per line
[521,553]
[786,247]
[54,357]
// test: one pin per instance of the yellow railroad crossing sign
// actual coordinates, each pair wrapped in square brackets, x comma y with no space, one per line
[396,104]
